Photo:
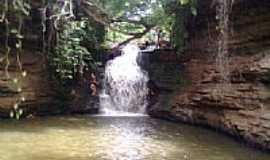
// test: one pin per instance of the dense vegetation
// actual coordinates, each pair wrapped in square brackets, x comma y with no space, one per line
[74,31]
[73,35]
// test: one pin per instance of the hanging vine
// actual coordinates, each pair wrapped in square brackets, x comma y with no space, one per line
[68,57]
[63,10]
[12,15]
[13,26]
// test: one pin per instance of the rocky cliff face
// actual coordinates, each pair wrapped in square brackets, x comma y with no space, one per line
[34,90]
[31,89]
[241,108]
[249,27]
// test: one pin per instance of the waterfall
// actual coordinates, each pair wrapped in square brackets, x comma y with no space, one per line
[125,84]
[223,10]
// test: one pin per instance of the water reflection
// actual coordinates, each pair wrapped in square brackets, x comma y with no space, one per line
[115,138]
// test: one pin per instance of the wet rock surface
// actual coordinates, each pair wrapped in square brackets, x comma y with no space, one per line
[35,92]
[38,94]
[241,108]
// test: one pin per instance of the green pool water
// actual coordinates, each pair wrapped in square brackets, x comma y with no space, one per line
[116,138]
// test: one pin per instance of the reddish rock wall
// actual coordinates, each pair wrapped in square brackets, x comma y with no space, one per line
[241,109]
[39,91]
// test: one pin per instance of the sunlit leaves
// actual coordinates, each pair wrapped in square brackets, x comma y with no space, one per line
[193,11]
[15,80]
[15,106]
[14,31]
[193,5]
[23,99]
[19,90]
[151,12]
[22,6]
[24,73]
[184,2]
[146,13]
[16,112]
[11,114]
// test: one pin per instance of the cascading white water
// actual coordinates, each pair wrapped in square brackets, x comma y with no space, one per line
[223,15]
[125,84]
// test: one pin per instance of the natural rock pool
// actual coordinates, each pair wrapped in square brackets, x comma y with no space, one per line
[116,138]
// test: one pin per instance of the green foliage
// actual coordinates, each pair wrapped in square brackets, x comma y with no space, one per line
[184,2]
[192,4]
[181,11]
[170,16]
[120,31]
[146,13]
[126,8]
[13,14]
[14,7]
[69,53]
[95,42]
[16,112]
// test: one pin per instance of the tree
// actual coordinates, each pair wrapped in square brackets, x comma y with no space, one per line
[129,19]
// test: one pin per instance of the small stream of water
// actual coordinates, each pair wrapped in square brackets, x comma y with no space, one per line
[223,11]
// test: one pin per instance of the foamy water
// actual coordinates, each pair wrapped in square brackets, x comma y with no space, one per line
[125,84]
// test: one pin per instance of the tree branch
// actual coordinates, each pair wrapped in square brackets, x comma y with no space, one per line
[100,16]
[92,10]
[136,36]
